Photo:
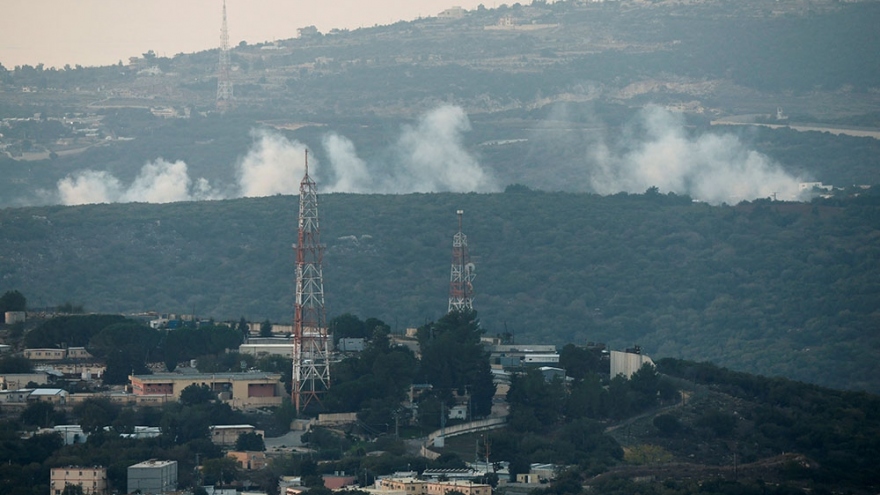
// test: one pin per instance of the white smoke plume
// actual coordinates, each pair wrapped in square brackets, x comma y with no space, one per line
[158,182]
[433,158]
[89,187]
[351,173]
[427,157]
[273,166]
[709,167]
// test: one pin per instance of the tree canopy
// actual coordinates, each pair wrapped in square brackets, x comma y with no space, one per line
[12,300]
[454,360]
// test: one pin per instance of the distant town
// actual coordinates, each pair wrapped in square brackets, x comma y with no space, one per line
[65,377]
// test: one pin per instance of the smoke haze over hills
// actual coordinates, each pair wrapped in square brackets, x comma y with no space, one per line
[429,156]
[710,167]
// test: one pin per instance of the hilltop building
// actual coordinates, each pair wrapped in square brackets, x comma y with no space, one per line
[452,13]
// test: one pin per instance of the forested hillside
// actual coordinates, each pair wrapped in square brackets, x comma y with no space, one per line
[775,288]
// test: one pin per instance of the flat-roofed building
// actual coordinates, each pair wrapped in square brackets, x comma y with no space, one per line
[249,460]
[337,481]
[52,395]
[409,486]
[15,381]
[152,477]
[465,487]
[451,474]
[274,349]
[93,480]
[239,390]
[351,344]
[78,353]
[18,396]
[45,354]
[228,434]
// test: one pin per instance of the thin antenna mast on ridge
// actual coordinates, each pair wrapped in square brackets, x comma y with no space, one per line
[224,84]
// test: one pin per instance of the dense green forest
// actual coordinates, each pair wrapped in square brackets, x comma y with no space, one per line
[783,289]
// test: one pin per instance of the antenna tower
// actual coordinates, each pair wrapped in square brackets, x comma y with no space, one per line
[224,84]
[461,288]
[311,364]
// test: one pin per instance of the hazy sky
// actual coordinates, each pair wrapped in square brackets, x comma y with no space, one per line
[101,32]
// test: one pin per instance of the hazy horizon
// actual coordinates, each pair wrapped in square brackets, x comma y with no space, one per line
[103,32]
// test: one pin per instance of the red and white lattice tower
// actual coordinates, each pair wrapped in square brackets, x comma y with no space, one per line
[224,84]
[311,363]
[461,289]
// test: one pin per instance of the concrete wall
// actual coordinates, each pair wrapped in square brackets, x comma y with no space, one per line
[483,424]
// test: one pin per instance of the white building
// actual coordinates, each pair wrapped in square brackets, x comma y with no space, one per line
[71,434]
[257,350]
[152,477]
[627,363]
[13,317]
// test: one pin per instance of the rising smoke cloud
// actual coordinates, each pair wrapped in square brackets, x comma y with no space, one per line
[159,181]
[427,157]
[274,165]
[716,168]
[432,158]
